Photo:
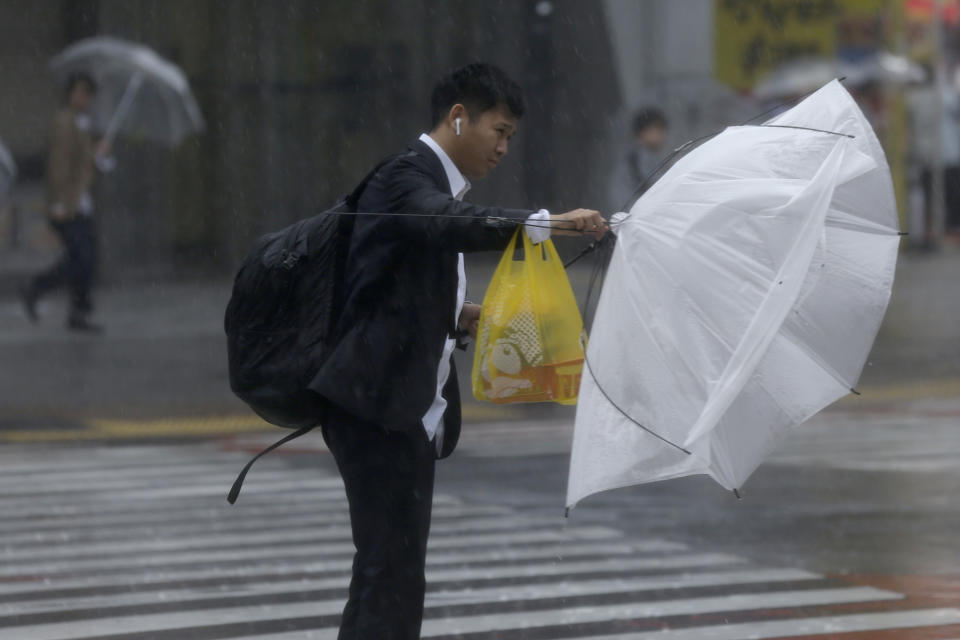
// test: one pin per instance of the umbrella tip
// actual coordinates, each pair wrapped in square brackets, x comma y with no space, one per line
[736,492]
[855,392]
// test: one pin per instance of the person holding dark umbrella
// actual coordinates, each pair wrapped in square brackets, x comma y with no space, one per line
[390,385]
[70,175]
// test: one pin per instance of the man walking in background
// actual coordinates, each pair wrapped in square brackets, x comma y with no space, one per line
[390,385]
[70,173]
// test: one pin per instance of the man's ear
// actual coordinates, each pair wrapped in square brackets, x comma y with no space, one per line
[458,111]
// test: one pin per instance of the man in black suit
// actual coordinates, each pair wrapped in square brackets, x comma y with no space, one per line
[391,387]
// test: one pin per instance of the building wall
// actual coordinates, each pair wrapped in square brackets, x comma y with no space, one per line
[30,34]
[302,97]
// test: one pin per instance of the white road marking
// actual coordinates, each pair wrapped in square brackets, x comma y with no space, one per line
[146,623]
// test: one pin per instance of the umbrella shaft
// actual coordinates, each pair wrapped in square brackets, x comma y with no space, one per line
[129,93]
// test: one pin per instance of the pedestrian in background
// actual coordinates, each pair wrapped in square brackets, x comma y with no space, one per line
[646,151]
[70,175]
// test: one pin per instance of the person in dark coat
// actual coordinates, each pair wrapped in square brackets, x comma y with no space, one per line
[390,384]
[646,151]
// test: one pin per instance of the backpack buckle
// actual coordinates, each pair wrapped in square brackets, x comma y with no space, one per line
[290,260]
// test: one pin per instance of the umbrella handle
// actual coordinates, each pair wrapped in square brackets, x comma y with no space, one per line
[126,100]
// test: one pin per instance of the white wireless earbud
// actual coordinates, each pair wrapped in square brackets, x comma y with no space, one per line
[458,125]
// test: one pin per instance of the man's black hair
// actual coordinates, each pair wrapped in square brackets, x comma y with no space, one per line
[77,78]
[647,117]
[479,87]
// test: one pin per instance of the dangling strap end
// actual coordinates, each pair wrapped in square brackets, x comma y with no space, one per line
[238,483]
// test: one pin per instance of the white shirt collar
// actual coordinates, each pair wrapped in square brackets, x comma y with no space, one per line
[459,185]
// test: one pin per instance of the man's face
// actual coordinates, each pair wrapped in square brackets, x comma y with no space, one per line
[484,140]
[652,137]
[81,96]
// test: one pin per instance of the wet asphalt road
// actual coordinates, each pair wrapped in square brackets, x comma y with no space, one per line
[866,493]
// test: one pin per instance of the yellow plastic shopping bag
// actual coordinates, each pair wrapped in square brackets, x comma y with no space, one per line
[528,342]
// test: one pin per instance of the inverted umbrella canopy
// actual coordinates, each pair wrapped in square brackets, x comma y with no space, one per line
[8,170]
[743,295]
[142,94]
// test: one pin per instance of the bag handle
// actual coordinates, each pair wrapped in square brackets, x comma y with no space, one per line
[523,246]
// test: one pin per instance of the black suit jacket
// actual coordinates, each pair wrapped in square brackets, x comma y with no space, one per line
[400,293]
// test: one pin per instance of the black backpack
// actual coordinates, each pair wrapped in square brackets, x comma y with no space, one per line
[279,321]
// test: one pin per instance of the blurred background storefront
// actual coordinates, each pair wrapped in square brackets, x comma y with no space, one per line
[302,97]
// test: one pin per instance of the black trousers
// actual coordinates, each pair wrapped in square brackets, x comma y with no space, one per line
[388,478]
[78,266]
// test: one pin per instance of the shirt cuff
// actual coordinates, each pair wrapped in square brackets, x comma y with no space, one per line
[538,226]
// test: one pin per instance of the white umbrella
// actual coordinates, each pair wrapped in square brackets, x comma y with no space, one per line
[147,96]
[8,170]
[743,295]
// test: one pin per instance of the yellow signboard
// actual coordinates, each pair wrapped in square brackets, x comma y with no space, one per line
[752,37]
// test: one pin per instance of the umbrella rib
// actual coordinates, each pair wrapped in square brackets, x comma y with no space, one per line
[644,184]
[793,126]
[626,415]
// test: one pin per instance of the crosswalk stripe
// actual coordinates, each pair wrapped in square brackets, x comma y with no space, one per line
[292,533]
[338,557]
[319,489]
[10,475]
[214,495]
[146,623]
[207,530]
[434,599]
[13,568]
[75,515]
[691,606]
[915,618]
[138,542]
[66,459]
[436,571]
[146,481]
[618,585]
[791,627]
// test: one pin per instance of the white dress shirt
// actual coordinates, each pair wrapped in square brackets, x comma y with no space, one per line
[537,227]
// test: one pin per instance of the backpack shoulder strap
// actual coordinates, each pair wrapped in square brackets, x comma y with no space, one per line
[354,197]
